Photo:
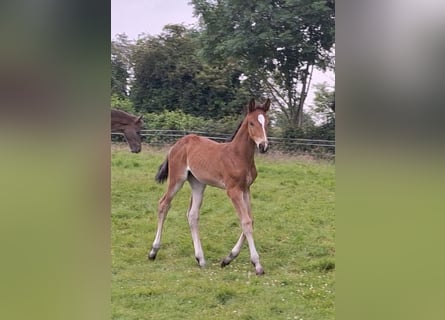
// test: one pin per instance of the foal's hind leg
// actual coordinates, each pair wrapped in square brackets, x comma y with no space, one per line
[164,205]
[193,217]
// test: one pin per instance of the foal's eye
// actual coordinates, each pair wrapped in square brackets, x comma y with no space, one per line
[251,123]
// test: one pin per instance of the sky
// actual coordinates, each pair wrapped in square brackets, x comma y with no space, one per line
[136,17]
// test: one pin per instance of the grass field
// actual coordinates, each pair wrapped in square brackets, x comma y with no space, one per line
[293,207]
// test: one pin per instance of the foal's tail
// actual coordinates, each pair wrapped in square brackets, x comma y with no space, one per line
[162,174]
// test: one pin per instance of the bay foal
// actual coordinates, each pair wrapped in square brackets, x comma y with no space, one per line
[130,126]
[228,166]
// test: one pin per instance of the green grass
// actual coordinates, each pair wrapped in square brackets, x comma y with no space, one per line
[293,207]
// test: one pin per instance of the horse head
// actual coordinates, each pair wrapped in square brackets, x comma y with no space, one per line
[257,122]
[132,133]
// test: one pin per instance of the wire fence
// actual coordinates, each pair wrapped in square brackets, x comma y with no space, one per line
[318,148]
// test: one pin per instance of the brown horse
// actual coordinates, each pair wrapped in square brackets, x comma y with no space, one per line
[130,126]
[228,166]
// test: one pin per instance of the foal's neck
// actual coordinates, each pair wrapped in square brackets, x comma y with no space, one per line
[242,143]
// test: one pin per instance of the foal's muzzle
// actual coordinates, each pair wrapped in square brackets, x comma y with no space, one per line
[263,147]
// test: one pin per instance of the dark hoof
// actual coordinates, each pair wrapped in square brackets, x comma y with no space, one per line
[151,256]
[153,252]
[201,264]
[225,262]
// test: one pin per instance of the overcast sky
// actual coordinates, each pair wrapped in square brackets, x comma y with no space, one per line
[135,17]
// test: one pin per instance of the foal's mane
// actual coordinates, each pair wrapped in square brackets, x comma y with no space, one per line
[236,131]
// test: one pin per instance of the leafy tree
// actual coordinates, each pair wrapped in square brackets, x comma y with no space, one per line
[119,76]
[169,74]
[122,103]
[158,70]
[324,113]
[277,43]
[120,65]
[324,103]
[122,48]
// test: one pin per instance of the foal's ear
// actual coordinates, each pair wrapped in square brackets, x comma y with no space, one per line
[266,105]
[252,105]
[139,119]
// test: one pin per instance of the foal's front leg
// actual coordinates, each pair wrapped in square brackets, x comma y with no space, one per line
[237,248]
[235,251]
[241,202]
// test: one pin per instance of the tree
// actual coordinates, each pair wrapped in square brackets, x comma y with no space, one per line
[120,65]
[121,103]
[169,74]
[324,113]
[277,43]
[163,68]
[324,103]
[119,76]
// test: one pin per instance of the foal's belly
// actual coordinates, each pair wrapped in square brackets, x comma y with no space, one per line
[219,181]
[214,181]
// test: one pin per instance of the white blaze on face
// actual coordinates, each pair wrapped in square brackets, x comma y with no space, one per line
[262,121]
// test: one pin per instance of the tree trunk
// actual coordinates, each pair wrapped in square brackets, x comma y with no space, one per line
[306,80]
